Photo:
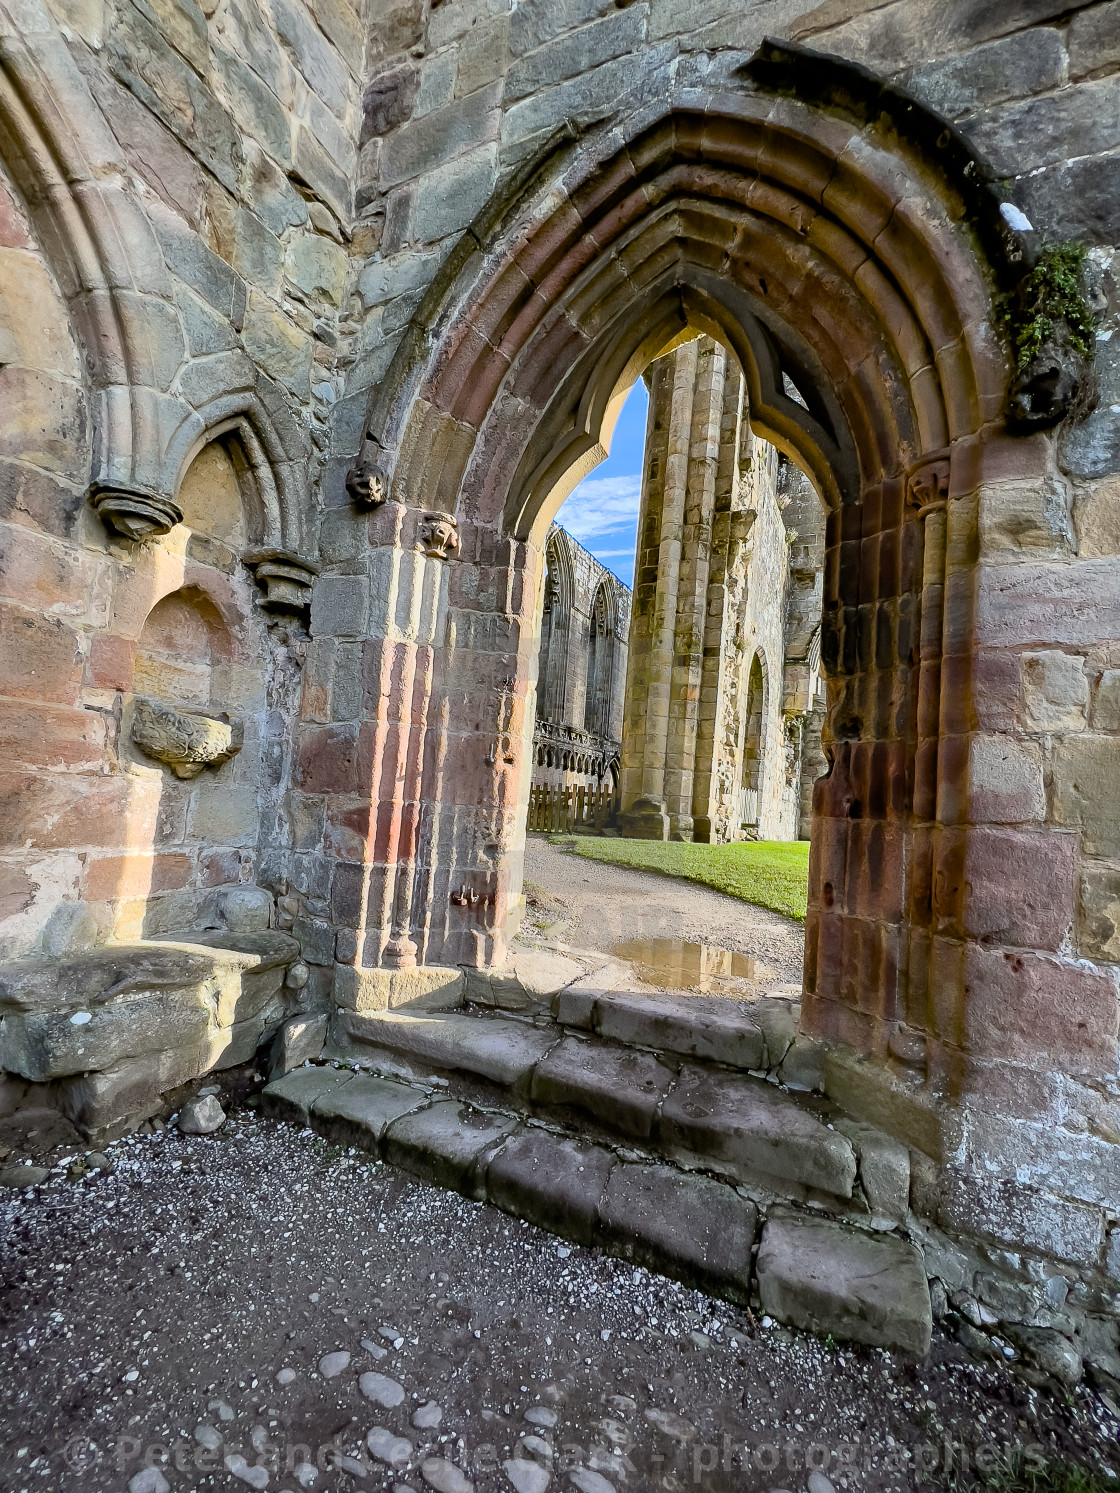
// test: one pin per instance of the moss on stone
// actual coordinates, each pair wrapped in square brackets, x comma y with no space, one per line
[1048,298]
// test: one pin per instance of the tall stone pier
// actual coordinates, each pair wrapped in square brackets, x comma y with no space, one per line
[703,725]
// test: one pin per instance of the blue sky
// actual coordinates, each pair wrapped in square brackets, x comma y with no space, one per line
[602,512]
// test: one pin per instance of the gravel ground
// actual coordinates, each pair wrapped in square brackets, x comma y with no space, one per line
[602,905]
[167,1324]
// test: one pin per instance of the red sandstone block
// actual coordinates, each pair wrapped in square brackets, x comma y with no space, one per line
[219,867]
[949,847]
[947,994]
[1034,1008]
[1020,886]
[71,811]
[329,760]
[109,878]
[111,661]
[346,830]
[40,658]
[40,736]
[13,228]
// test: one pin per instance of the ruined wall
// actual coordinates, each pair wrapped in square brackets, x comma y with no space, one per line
[230,221]
[577,728]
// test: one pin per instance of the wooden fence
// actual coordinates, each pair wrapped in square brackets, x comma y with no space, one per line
[560,810]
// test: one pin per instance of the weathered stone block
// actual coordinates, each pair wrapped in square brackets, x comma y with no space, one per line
[866,1089]
[536,22]
[745,1120]
[316,266]
[359,1112]
[1026,518]
[447,200]
[1015,67]
[1050,606]
[825,1278]
[690,1227]
[884,1168]
[340,606]
[670,1025]
[577,53]
[1096,516]
[1098,917]
[1086,791]
[129,1090]
[1029,1007]
[1093,40]
[278,346]
[528,978]
[1106,702]
[1022,1217]
[299,1040]
[426,988]
[1055,691]
[426,143]
[506,1052]
[1005,780]
[553,1183]
[802,1068]
[483,55]
[448,1145]
[291,1097]
[620,1087]
[45,1045]
[1081,121]
[1019,886]
[317,60]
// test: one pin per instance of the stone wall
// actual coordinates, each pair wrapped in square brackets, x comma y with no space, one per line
[404,265]
[581,668]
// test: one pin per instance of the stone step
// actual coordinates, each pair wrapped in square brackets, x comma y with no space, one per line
[823,1276]
[826,1278]
[753,1125]
[742,1122]
[504,1052]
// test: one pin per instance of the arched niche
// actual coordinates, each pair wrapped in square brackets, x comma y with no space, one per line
[212,494]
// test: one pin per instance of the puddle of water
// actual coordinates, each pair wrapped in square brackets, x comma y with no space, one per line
[677,964]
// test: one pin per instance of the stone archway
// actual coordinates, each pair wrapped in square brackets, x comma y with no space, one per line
[852,274]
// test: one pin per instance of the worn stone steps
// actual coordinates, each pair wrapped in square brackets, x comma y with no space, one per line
[867,1287]
[743,1123]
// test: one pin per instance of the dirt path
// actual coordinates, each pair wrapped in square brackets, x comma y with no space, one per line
[176,1311]
[598,906]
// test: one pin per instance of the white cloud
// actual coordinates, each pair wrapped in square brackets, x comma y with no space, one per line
[600,505]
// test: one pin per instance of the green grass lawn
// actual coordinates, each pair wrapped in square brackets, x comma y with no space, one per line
[770,873]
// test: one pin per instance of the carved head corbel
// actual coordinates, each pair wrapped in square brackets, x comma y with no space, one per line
[368,485]
[438,536]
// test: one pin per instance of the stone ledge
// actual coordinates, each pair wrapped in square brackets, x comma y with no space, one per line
[433,987]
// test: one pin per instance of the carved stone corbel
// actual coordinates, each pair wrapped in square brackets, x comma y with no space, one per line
[928,487]
[135,515]
[439,536]
[184,740]
[367,485]
[285,580]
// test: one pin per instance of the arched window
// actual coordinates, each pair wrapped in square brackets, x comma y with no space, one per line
[754,744]
[600,663]
[552,667]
